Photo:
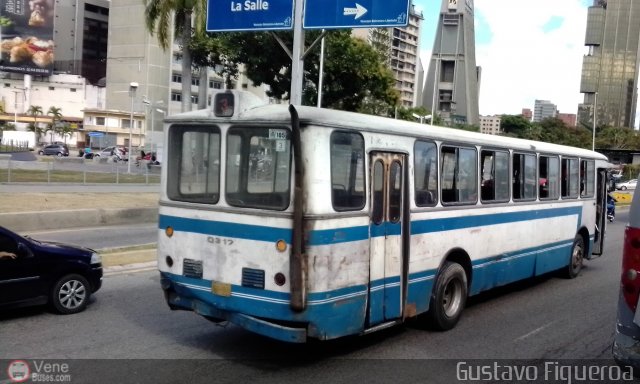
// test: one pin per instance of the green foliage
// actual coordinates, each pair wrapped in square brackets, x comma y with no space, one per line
[617,138]
[514,125]
[355,76]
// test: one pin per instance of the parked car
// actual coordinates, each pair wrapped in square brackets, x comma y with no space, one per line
[630,184]
[55,150]
[114,151]
[36,272]
[626,345]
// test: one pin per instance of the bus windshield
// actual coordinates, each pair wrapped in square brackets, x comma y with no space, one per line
[258,167]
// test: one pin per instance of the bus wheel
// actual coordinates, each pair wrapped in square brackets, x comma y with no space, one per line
[577,258]
[449,297]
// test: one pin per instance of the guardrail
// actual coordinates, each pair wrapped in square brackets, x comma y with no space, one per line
[76,170]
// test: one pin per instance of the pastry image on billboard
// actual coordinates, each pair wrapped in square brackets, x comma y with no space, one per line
[30,50]
[26,36]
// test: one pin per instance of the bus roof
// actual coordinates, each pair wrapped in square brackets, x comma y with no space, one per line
[349,120]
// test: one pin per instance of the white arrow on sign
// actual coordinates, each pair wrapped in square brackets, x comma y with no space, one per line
[359,10]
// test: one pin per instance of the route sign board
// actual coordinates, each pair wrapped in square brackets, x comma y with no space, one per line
[249,15]
[332,14]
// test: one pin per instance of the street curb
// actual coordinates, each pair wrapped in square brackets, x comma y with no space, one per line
[130,268]
[75,218]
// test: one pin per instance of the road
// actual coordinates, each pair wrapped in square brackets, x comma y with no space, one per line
[545,318]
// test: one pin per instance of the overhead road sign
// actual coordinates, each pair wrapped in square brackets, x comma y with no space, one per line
[332,14]
[249,15]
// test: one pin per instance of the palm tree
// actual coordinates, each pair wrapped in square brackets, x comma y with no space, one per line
[35,111]
[66,130]
[158,18]
[56,116]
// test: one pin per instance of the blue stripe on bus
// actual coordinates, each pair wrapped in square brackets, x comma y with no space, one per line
[226,229]
[359,233]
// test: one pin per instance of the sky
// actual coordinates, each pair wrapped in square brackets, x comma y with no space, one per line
[528,50]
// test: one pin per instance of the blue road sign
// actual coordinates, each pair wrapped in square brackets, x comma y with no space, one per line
[328,14]
[249,15]
[96,134]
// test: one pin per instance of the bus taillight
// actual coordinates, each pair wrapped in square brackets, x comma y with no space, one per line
[630,280]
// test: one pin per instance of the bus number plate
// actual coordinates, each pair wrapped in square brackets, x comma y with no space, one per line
[221,289]
[278,134]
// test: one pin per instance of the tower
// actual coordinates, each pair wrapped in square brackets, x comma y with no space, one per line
[610,69]
[453,79]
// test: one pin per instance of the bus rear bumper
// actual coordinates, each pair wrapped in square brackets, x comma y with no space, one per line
[250,323]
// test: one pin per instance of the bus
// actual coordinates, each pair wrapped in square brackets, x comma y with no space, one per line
[297,222]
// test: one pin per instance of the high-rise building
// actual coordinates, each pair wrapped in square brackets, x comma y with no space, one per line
[527,113]
[403,47]
[568,118]
[452,85]
[610,69]
[490,124]
[544,109]
[80,36]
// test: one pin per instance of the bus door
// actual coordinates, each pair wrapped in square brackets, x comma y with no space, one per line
[601,211]
[387,279]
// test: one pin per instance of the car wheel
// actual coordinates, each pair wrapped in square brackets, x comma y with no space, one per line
[448,297]
[624,188]
[41,153]
[59,154]
[70,294]
[577,258]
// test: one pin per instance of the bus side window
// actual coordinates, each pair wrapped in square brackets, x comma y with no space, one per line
[426,174]
[347,171]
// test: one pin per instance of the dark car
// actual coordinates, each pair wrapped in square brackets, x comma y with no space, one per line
[626,344]
[36,272]
[55,150]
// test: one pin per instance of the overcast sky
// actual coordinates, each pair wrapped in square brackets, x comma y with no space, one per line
[528,50]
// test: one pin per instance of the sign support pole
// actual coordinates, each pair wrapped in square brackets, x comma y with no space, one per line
[297,61]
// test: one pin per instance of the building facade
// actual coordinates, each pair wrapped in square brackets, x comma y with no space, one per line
[490,124]
[452,86]
[403,55]
[568,118]
[610,69]
[544,109]
[527,114]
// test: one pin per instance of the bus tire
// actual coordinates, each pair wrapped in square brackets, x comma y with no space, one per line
[577,258]
[449,297]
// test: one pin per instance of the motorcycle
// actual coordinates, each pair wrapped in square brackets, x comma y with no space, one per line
[611,209]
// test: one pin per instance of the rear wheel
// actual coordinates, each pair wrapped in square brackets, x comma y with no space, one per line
[70,294]
[449,297]
[577,258]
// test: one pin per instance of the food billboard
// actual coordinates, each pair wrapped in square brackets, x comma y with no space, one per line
[26,36]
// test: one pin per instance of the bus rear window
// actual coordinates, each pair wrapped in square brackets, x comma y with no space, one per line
[258,167]
[194,164]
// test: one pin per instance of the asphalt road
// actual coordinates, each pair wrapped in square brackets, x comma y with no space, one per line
[544,318]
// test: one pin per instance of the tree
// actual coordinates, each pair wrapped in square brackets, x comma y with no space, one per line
[35,111]
[617,138]
[354,72]
[66,130]
[158,19]
[514,125]
[56,116]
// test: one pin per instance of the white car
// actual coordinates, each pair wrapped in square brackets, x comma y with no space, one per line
[631,184]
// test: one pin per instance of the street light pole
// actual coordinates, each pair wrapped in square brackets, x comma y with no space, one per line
[595,115]
[132,92]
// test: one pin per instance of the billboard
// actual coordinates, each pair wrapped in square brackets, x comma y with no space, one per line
[26,36]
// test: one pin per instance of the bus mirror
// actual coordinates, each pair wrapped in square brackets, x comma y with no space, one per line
[224,105]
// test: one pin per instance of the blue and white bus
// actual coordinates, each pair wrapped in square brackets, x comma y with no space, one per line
[297,222]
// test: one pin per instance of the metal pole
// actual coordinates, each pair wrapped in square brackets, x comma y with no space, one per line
[595,115]
[297,63]
[321,73]
[153,113]
[132,93]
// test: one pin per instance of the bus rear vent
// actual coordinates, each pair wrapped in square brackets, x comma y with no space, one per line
[192,268]
[253,278]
